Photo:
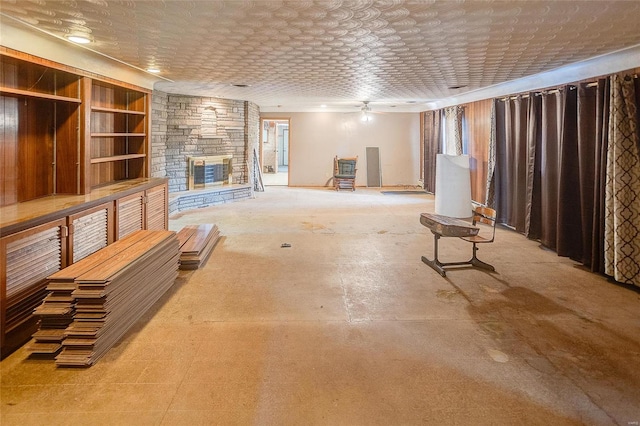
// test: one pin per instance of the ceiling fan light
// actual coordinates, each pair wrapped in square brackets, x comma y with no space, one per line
[365,111]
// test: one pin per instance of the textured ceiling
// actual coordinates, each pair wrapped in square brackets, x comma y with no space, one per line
[339,52]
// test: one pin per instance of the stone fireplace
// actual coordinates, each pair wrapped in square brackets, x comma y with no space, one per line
[209,171]
[201,143]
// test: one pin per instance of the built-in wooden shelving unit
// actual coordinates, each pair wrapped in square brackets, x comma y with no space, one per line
[119,133]
[41,107]
[66,132]
[74,176]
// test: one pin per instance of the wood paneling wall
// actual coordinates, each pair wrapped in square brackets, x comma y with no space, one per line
[67,150]
[8,150]
[35,154]
[476,133]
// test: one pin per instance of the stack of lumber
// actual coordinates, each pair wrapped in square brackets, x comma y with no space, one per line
[111,297]
[93,302]
[57,309]
[56,313]
[196,244]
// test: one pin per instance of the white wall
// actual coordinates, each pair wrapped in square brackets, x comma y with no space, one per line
[315,138]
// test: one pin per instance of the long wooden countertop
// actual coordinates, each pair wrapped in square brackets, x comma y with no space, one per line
[25,215]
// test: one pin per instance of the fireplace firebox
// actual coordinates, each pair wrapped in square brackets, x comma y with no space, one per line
[209,171]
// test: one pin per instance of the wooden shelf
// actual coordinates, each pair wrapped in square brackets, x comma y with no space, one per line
[112,135]
[116,158]
[119,131]
[117,110]
[19,92]
[68,144]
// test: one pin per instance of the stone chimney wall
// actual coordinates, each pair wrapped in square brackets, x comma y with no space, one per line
[159,134]
[184,136]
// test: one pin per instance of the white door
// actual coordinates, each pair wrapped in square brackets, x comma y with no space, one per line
[283,145]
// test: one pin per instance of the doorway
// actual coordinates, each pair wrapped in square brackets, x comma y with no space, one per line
[274,151]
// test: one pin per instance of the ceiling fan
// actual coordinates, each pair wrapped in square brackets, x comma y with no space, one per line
[367,112]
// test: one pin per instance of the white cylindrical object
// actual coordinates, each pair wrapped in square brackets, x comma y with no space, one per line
[453,186]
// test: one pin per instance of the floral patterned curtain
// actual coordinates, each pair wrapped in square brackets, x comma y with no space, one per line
[622,191]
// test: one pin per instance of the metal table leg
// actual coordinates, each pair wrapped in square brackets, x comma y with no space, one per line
[435,263]
[440,266]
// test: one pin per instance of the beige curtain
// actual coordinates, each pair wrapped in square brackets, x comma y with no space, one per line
[453,130]
[622,191]
[490,199]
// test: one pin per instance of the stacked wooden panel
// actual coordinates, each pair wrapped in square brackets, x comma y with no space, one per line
[55,313]
[58,307]
[111,297]
[196,244]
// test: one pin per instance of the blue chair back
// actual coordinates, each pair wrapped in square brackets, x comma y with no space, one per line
[346,167]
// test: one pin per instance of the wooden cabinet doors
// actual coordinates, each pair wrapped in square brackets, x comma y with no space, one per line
[89,231]
[129,214]
[27,258]
[157,208]
[142,210]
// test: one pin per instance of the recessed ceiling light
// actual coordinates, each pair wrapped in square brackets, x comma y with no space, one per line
[323,106]
[240,85]
[153,70]
[79,39]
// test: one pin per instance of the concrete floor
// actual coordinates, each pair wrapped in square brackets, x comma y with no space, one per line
[349,327]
